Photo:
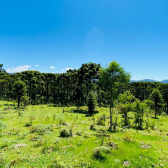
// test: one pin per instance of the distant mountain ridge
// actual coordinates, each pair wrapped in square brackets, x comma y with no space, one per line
[150,80]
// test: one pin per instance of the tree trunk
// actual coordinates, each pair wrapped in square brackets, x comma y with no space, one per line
[155,112]
[1,91]
[18,101]
[111,111]
[126,121]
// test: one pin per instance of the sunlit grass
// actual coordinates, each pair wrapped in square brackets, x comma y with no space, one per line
[45,148]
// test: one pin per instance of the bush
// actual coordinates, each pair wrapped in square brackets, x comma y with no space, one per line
[101,120]
[112,144]
[65,132]
[92,127]
[127,138]
[79,132]
[41,129]
[100,151]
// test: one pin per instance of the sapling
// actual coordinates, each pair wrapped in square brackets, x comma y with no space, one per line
[54,117]
[31,118]
[2,127]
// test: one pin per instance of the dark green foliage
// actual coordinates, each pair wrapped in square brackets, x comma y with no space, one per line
[65,132]
[124,105]
[19,88]
[156,97]
[100,152]
[139,109]
[101,120]
[91,102]
[72,87]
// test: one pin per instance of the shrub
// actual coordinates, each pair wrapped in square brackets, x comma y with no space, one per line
[101,120]
[79,132]
[152,125]
[92,127]
[100,151]
[41,129]
[127,138]
[91,102]
[65,132]
[112,144]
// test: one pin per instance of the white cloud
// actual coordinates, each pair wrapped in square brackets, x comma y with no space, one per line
[8,70]
[52,67]
[19,69]
[36,65]
[34,70]
[68,68]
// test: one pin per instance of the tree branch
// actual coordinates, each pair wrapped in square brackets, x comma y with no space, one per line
[127,126]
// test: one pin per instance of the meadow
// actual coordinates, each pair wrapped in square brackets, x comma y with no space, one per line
[53,136]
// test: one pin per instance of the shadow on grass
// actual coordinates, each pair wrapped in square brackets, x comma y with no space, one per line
[112,131]
[155,118]
[56,105]
[84,112]
[9,105]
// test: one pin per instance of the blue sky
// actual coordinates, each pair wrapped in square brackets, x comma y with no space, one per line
[55,35]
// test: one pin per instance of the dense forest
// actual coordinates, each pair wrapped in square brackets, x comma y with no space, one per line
[70,88]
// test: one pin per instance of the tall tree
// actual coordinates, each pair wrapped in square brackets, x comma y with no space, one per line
[156,97]
[112,78]
[19,89]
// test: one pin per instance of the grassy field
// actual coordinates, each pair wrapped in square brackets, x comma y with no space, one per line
[31,138]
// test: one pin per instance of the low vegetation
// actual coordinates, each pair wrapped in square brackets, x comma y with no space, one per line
[66,138]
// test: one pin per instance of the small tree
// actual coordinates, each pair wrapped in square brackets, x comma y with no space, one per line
[91,102]
[124,104]
[139,108]
[112,78]
[19,89]
[156,97]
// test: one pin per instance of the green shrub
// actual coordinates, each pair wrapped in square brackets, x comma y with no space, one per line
[40,129]
[127,138]
[92,127]
[79,132]
[65,132]
[101,120]
[112,144]
[152,125]
[100,151]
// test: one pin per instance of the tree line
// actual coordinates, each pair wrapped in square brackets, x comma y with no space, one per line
[72,87]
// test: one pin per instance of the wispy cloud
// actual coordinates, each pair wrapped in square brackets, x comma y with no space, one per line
[52,67]
[18,69]
[36,65]
[68,68]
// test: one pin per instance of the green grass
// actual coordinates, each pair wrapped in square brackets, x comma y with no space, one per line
[44,147]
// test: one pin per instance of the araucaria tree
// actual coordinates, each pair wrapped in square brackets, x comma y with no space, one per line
[112,78]
[19,89]
[91,102]
[156,97]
